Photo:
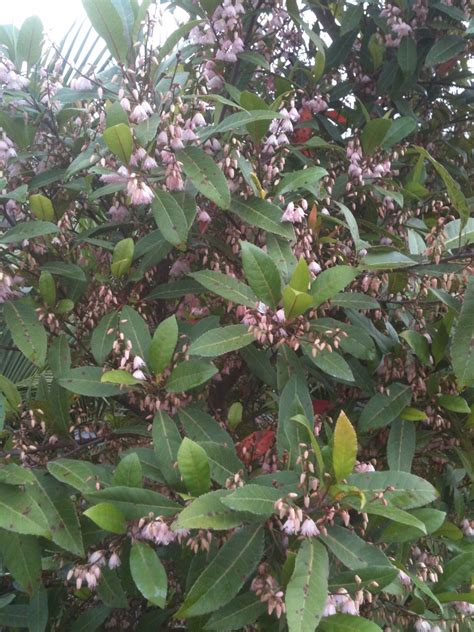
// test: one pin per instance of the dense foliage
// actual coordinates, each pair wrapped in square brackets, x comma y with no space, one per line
[237,318]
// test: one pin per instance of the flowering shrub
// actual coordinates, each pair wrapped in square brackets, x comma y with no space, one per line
[237,319]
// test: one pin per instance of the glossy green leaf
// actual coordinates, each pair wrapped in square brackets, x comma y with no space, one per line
[163,345]
[81,475]
[118,139]
[106,20]
[200,426]
[103,336]
[344,449]
[86,380]
[329,282]
[129,472]
[216,342]
[226,573]
[256,499]
[21,554]
[107,517]
[374,134]
[444,49]
[243,610]
[407,55]
[333,364]
[170,218]
[383,409]
[206,176]
[148,573]
[304,179]
[223,461]
[30,41]
[134,503]
[27,332]
[166,443]
[135,329]
[409,491]
[122,257]
[352,551]
[401,445]
[347,623]
[264,214]
[189,375]
[208,512]
[226,286]
[91,619]
[65,269]
[307,591]
[42,207]
[194,467]
[262,274]
[462,350]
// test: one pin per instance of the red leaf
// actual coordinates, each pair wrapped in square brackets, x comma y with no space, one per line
[321,406]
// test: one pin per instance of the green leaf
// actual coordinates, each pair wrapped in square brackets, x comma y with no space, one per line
[47,288]
[206,176]
[129,472]
[347,623]
[226,286]
[194,467]
[107,517]
[13,474]
[216,342]
[455,404]
[163,345]
[455,194]
[166,443]
[119,376]
[242,611]
[179,33]
[122,257]
[91,619]
[303,179]
[372,578]
[295,303]
[135,329]
[133,502]
[175,289]
[352,551]
[462,350]
[344,449]
[200,426]
[307,591]
[82,475]
[110,590]
[409,491]
[15,616]
[208,512]
[59,512]
[445,49]
[226,573]
[259,364]
[374,134]
[118,139]
[65,269]
[27,332]
[170,218]
[103,336]
[42,207]
[301,277]
[330,282]
[383,409]
[21,554]
[38,611]
[261,273]
[264,215]
[256,499]
[418,344]
[148,573]
[249,102]
[189,375]
[386,261]
[30,41]
[223,461]
[401,445]
[280,251]
[407,55]
[457,571]
[236,121]
[106,20]
[59,356]
[86,380]
[401,128]
[432,520]
[333,364]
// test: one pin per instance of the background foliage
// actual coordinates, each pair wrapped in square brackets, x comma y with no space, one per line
[237,319]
